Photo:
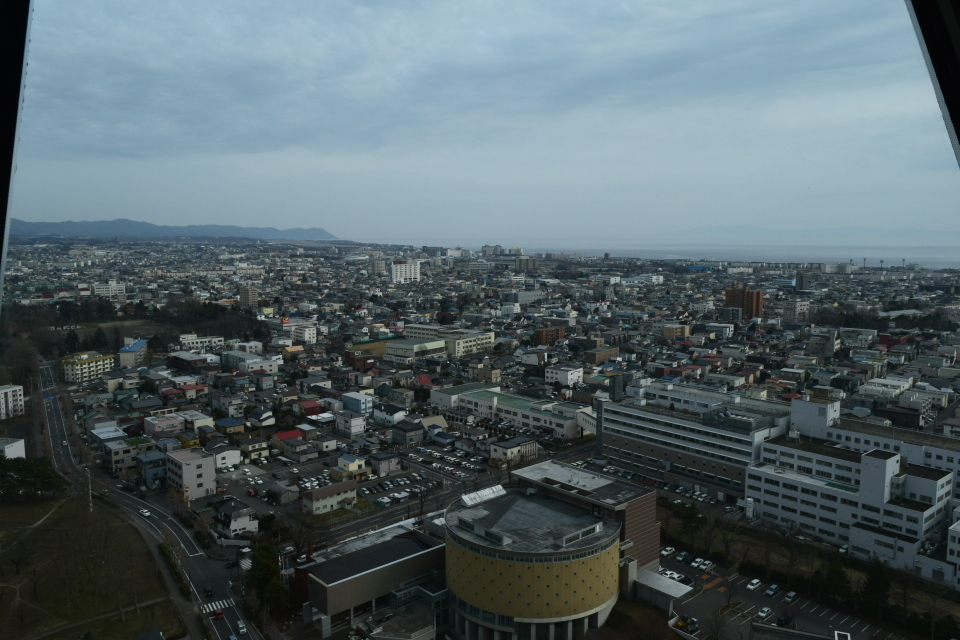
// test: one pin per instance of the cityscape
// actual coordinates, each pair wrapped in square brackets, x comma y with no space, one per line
[482,320]
[321,439]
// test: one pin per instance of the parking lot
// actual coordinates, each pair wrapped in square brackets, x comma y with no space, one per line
[711,593]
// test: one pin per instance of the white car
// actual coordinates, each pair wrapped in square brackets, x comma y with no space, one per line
[707,565]
[696,563]
[144,513]
[667,552]
[764,613]
[753,585]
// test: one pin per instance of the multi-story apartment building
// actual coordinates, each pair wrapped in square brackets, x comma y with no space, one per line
[249,296]
[132,354]
[120,455]
[404,271]
[361,403]
[795,311]
[351,424]
[11,401]
[190,341]
[750,301]
[191,473]
[87,366]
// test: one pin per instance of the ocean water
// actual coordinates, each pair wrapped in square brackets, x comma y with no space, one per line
[933,257]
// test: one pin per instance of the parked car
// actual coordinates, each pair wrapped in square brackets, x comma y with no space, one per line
[754,584]
[764,613]
[696,563]
[683,556]
[707,565]
[790,597]
[667,552]
[784,620]
[772,591]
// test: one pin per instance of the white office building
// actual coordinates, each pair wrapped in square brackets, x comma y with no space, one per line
[565,375]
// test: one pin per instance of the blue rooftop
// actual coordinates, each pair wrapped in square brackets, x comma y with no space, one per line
[133,348]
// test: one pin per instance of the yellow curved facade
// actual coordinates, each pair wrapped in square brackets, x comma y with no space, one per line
[527,590]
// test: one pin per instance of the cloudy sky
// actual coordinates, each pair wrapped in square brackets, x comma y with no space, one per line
[468,122]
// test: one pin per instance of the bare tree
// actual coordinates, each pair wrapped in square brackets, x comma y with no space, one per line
[709,531]
[715,626]
[794,554]
[727,532]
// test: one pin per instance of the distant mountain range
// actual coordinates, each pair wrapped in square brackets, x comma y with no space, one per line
[122,228]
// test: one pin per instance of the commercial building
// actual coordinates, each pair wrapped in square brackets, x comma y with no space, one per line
[304,333]
[521,564]
[409,351]
[564,375]
[404,271]
[751,302]
[191,473]
[87,366]
[12,448]
[459,342]
[564,420]
[708,451]
[11,401]
[110,289]
[882,506]
[373,569]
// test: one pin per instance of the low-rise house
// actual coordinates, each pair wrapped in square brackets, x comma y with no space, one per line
[255,447]
[515,450]
[383,464]
[234,519]
[350,467]
[407,433]
[152,469]
[229,426]
[330,498]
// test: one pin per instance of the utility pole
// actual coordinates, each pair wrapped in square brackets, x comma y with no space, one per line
[89,488]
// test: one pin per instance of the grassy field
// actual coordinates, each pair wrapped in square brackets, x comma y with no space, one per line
[16,518]
[74,568]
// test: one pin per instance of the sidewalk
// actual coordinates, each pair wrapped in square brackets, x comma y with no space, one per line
[186,608]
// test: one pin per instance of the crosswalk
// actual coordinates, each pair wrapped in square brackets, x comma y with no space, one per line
[219,604]
[246,563]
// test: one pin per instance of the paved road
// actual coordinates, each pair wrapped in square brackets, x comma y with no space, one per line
[202,570]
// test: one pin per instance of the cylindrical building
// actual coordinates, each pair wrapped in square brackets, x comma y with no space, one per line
[525,566]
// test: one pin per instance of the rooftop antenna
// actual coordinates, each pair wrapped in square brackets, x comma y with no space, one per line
[881,265]
[864,263]
[904,263]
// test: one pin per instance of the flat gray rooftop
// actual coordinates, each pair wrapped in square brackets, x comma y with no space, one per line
[826,448]
[527,523]
[582,483]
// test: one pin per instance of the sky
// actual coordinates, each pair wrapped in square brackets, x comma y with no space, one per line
[461,123]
